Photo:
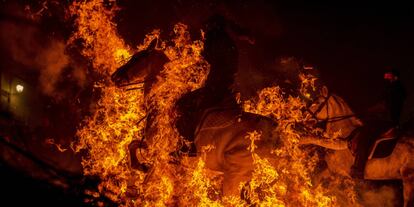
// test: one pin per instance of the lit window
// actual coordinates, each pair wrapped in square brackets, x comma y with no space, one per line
[19,88]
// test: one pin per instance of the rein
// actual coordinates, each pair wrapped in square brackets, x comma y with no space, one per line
[327,120]
[132,86]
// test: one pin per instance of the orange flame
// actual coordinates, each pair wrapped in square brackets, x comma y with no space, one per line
[282,180]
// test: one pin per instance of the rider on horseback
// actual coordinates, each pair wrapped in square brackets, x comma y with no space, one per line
[221,53]
[382,117]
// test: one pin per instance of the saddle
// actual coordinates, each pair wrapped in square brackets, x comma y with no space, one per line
[384,146]
[220,118]
[195,107]
[189,125]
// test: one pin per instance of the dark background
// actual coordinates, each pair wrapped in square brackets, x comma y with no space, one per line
[352,43]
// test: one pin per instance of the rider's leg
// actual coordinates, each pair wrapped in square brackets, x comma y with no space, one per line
[367,136]
[365,141]
[361,156]
[189,107]
[136,145]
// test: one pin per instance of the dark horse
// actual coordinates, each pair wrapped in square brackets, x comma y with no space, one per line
[225,129]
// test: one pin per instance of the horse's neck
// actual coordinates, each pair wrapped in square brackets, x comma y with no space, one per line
[156,62]
[345,125]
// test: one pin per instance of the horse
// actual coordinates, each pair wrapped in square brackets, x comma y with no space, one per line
[337,115]
[225,129]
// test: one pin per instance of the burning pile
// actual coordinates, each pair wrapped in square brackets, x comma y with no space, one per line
[118,119]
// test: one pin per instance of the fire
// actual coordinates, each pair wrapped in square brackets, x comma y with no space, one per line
[95,29]
[115,121]
[286,181]
[119,118]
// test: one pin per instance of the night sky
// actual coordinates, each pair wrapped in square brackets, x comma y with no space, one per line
[351,43]
[354,44]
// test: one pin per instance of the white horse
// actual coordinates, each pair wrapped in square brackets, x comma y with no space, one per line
[338,116]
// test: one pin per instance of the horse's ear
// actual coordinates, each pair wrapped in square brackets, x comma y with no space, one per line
[152,45]
[324,91]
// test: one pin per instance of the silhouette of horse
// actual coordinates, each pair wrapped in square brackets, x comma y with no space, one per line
[337,115]
[223,128]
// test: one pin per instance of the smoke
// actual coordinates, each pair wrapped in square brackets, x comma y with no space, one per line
[28,46]
[385,196]
[52,61]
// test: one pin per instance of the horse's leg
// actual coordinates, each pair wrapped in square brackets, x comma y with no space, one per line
[237,171]
[136,145]
[234,179]
[408,185]
[319,178]
[408,193]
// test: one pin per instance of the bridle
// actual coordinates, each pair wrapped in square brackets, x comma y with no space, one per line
[322,123]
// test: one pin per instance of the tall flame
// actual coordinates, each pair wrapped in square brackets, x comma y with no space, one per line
[118,119]
[286,182]
[115,121]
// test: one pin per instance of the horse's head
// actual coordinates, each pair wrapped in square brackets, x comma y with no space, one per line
[318,103]
[141,64]
[333,113]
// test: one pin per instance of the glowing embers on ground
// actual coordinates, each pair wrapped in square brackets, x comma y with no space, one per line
[283,180]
